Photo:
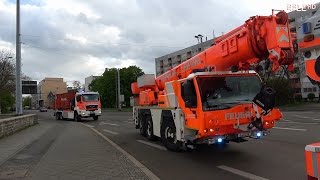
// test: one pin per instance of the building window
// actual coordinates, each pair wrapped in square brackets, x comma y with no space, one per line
[305,89]
[199,50]
[309,89]
[314,89]
[188,54]
[169,62]
[179,59]
[161,63]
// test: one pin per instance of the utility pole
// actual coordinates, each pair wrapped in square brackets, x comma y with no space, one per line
[119,95]
[18,64]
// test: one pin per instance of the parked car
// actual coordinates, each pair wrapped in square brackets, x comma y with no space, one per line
[43,109]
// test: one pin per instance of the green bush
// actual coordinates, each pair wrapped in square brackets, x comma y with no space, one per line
[298,97]
[284,93]
[6,102]
[311,96]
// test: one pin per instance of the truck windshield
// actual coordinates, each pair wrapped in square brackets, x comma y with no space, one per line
[90,97]
[226,92]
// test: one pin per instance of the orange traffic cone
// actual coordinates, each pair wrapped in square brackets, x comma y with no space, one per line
[312,152]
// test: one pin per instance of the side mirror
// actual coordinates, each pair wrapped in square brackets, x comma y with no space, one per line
[266,99]
[78,98]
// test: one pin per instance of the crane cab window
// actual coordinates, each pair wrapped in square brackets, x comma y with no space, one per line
[226,92]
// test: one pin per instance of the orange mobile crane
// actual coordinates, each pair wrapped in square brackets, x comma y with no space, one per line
[215,97]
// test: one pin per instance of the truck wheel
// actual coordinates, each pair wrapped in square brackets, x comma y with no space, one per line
[168,136]
[149,131]
[143,127]
[95,118]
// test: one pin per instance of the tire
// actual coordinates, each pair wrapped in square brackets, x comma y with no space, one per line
[168,135]
[143,126]
[149,129]
[77,118]
[95,118]
[57,116]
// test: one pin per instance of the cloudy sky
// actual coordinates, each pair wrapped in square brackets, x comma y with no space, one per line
[74,39]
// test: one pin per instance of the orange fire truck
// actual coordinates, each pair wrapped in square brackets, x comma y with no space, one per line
[215,96]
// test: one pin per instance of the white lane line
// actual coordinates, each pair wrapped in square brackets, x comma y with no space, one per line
[241,173]
[130,122]
[130,119]
[90,125]
[153,145]
[104,123]
[301,116]
[110,131]
[293,129]
[294,122]
[315,119]
[143,168]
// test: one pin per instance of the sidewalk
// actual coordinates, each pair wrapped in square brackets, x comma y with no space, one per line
[79,153]
[68,150]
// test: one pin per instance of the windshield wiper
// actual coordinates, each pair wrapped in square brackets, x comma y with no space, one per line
[244,100]
[218,106]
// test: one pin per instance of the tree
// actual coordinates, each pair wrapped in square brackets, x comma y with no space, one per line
[7,71]
[26,101]
[76,85]
[284,92]
[7,80]
[106,84]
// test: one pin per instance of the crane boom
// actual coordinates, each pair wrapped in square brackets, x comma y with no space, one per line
[259,38]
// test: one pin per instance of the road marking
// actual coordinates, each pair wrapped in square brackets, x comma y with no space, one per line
[130,119]
[315,119]
[110,131]
[241,173]
[297,122]
[294,129]
[143,168]
[152,144]
[103,123]
[301,116]
[130,122]
[90,125]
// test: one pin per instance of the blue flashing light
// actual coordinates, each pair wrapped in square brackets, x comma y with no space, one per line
[259,134]
[219,140]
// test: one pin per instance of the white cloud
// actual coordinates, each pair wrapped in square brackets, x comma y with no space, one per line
[79,38]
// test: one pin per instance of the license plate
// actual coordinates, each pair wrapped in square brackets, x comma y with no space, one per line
[91,112]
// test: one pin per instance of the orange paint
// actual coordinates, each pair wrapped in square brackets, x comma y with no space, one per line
[310,71]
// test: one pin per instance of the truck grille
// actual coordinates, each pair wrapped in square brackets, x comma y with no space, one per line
[92,107]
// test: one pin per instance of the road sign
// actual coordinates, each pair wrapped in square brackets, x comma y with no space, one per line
[29,87]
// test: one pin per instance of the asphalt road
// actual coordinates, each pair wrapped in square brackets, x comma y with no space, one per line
[277,156]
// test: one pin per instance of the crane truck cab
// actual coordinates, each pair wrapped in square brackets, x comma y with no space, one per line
[209,108]
[78,105]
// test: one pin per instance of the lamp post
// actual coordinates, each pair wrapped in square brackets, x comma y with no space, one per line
[18,64]
[119,95]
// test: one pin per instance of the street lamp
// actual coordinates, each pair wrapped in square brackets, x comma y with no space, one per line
[18,64]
